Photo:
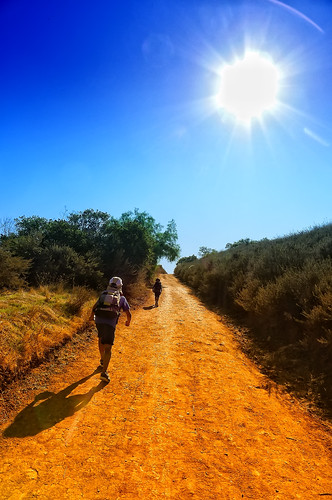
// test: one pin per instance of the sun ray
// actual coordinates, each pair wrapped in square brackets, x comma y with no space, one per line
[316,137]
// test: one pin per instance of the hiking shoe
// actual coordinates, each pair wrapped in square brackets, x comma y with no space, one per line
[104,376]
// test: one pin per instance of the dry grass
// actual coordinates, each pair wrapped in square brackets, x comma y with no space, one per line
[36,321]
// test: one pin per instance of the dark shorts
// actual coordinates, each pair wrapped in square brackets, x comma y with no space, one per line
[106,333]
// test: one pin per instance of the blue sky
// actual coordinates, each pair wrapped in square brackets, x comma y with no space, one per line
[109,105]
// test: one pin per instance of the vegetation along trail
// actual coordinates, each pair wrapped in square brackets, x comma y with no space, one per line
[185,416]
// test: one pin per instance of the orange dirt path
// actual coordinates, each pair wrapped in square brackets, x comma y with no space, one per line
[186,416]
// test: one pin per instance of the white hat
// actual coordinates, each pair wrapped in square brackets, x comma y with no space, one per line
[115,282]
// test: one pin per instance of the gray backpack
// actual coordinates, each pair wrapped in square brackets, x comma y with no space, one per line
[108,305]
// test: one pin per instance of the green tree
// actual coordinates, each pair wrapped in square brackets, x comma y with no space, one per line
[30,225]
[12,270]
[144,240]
[185,260]
[61,263]
[91,241]
[7,226]
[242,242]
[89,221]
[166,243]
[204,251]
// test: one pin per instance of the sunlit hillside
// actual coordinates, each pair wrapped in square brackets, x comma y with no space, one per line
[37,321]
[282,290]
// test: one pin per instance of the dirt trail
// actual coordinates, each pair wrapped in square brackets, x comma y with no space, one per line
[186,416]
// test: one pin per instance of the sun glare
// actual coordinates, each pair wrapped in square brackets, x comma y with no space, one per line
[249,87]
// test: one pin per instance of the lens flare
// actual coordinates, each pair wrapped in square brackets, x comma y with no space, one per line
[297,13]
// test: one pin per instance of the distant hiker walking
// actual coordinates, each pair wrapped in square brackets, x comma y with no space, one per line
[157,289]
[106,313]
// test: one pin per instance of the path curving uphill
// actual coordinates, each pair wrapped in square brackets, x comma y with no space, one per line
[185,416]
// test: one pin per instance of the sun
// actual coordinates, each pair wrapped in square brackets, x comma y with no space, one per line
[249,87]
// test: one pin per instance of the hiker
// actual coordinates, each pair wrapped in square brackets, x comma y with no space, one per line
[157,289]
[106,312]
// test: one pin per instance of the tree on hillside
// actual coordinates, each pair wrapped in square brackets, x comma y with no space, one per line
[158,243]
[12,270]
[90,243]
[183,260]
[141,240]
[166,245]
[61,263]
[89,221]
[30,225]
[204,251]
[242,242]
[7,226]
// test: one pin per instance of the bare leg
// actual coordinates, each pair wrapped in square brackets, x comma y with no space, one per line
[107,356]
[101,348]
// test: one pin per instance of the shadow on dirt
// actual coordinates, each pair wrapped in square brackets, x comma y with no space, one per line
[148,308]
[49,408]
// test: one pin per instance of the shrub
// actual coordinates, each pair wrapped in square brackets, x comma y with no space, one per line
[12,270]
[283,288]
[79,296]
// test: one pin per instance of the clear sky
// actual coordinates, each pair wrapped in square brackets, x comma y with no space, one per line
[111,105]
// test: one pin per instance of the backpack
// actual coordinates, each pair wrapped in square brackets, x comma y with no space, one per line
[108,305]
[157,287]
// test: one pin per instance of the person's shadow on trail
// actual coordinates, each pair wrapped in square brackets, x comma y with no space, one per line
[49,408]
